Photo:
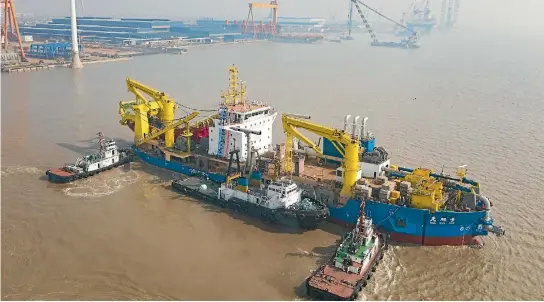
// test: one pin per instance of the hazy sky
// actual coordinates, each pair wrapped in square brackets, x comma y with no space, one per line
[484,14]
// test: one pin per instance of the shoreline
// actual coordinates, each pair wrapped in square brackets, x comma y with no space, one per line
[44,66]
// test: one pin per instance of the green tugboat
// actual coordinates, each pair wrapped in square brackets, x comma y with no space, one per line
[352,265]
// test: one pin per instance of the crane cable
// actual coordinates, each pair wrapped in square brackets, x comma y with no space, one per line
[193,109]
[375,11]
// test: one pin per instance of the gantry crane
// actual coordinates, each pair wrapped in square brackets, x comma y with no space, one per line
[272,5]
[140,110]
[10,28]
[346,144]
[410,42]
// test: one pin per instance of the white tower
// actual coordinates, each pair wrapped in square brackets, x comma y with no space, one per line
[76,61]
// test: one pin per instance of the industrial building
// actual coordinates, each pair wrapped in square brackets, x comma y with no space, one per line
[108,29]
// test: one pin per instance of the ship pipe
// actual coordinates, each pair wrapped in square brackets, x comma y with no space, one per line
[354,129]
[363,128]
[346,121]
[445,177]
[486,205]
[470,182]
[406,169]
[397,174]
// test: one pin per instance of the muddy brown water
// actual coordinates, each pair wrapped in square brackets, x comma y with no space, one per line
[125,235]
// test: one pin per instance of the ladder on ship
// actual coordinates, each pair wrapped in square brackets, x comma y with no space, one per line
[158,132]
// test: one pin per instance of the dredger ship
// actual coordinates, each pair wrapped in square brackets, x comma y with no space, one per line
[342,169]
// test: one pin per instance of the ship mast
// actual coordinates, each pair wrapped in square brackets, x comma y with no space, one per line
[360,228]
[101,141]
[234,94]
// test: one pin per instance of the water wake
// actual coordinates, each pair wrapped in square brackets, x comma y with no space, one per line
[98,187]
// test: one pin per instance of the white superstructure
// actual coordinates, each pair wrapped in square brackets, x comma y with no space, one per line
[237,112]
[278,194]
[254,116]
[108,155]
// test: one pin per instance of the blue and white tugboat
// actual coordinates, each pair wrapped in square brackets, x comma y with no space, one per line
[108,157]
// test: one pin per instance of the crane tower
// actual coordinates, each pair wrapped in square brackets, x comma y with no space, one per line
[10,28]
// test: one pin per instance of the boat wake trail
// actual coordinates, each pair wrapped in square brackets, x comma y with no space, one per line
[11,170]
[102,185]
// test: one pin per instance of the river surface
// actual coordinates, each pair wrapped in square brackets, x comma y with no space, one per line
[459,99]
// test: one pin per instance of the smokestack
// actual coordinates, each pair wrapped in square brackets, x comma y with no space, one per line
[346,122]
[354,131]
[363,128]
[76,61]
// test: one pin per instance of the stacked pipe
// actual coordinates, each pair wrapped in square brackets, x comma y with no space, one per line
[380,180]
[385,192]
[362,192]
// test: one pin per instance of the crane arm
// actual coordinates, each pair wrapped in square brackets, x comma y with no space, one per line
[324,131]
[356,2]
[351,150]
[157,132]
[292,131]
[205,122]
[365,21]
[137,88]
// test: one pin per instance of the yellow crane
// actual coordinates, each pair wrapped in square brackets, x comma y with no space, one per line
[348,146]
[158,132]
[142,108]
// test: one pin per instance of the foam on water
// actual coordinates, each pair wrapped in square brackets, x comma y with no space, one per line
[102,186]
[11,170]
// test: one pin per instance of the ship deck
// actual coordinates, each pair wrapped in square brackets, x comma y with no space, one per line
[215,164]
[60,172]
[196,184]
[338,282]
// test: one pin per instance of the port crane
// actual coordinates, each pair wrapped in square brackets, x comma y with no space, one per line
[410,42]
[346,144]
[262,27]
[10,28]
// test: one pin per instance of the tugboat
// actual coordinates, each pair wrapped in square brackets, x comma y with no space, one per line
[280,201]
[108,157]
[352,265]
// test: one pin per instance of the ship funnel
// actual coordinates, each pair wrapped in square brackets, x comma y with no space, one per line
[363,127]
[354,131]
[346,122]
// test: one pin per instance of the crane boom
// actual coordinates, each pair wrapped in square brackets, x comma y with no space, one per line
[161,104]
[384,16]
[158,132]
[351,147]
[365,21]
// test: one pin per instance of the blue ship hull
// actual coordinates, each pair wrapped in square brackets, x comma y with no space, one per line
[416,226]
[403,224]
[177,166]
